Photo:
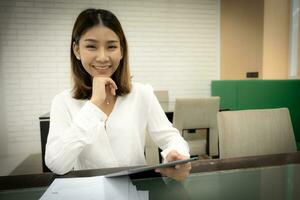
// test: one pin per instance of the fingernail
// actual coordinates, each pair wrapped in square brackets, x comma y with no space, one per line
[157,170]
[177,167]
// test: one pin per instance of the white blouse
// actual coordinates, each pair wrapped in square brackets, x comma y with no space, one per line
[81,136]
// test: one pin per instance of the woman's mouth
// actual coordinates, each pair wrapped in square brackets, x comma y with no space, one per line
[101,67]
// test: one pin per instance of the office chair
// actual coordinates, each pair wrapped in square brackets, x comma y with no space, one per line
[195,116]
[162,95]
[255,132]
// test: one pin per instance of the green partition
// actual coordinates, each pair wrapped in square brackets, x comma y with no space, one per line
[258,94]
[228,91]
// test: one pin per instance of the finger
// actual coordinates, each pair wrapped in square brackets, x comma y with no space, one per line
[181,176]
[112,90]
[186,166]
[174,155]
[112,83]
[166,171]
[177,169]
[174,174]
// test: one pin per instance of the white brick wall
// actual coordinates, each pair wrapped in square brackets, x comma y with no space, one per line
[173,44]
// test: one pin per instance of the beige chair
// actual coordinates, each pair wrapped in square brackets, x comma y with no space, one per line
[195,118]
[255,132]
[162,95]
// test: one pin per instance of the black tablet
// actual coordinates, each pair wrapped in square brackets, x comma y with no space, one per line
[152,167]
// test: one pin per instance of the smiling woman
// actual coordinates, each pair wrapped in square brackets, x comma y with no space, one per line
[98,41]
[99,51]
[102,122]
[100,54]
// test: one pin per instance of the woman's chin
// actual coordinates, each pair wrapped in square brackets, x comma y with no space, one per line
[103,74]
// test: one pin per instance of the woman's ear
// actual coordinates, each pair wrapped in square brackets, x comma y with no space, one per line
[76,50]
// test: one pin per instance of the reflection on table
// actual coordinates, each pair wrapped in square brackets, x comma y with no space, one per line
[257,177]
[275,182]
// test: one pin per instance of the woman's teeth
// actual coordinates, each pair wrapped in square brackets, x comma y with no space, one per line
[101,67]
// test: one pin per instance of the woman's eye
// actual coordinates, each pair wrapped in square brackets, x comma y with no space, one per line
[112,47]
[90,46]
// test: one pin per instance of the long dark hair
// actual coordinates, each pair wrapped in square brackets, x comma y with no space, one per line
[82,88]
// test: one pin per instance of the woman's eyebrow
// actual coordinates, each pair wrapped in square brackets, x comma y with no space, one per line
[90,40]
[94,40]
[112,41]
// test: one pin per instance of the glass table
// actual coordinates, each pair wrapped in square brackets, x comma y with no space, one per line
[278,182]
[257,177]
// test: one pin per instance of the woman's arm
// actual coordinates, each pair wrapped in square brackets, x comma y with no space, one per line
[162,131]
[169,140]
[67,137]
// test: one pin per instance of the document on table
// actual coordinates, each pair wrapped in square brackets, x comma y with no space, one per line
[92,188]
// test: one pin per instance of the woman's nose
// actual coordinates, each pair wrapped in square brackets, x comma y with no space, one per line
[102,56]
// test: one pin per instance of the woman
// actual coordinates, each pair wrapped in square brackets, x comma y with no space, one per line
[103,120]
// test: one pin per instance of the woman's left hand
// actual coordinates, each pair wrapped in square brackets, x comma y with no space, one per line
[180,171]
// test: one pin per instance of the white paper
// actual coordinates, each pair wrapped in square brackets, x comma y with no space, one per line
[133,193]
[75,188]
[143,195]
[116,188]
[94,188]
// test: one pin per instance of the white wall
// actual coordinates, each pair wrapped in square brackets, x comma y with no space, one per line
[173,45]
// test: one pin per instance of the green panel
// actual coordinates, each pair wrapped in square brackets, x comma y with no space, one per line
[255,94]
[227,91]
[258,94]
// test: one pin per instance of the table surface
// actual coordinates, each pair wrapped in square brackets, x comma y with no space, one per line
[257,177]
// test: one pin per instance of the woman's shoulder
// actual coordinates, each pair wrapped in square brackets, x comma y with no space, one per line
[67,93]
[142,89]
[64,96]
[141,94]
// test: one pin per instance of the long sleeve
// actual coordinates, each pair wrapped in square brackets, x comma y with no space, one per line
[162,131]
[68,136]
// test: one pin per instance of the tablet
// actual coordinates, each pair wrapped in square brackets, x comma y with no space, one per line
[152,167]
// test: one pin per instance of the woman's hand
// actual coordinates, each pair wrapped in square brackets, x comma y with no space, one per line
[101,87]
[179,172]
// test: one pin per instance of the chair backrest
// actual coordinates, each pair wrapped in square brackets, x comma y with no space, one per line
[255,132]
[162,95]
[197,113]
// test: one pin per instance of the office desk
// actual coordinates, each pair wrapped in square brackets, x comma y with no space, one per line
[258,177]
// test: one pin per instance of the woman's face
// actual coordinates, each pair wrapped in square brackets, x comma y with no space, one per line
[99,50]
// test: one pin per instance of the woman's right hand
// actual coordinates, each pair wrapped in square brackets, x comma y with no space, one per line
[101,87]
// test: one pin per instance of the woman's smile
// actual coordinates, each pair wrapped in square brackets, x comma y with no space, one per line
[101,67]
[104,70]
